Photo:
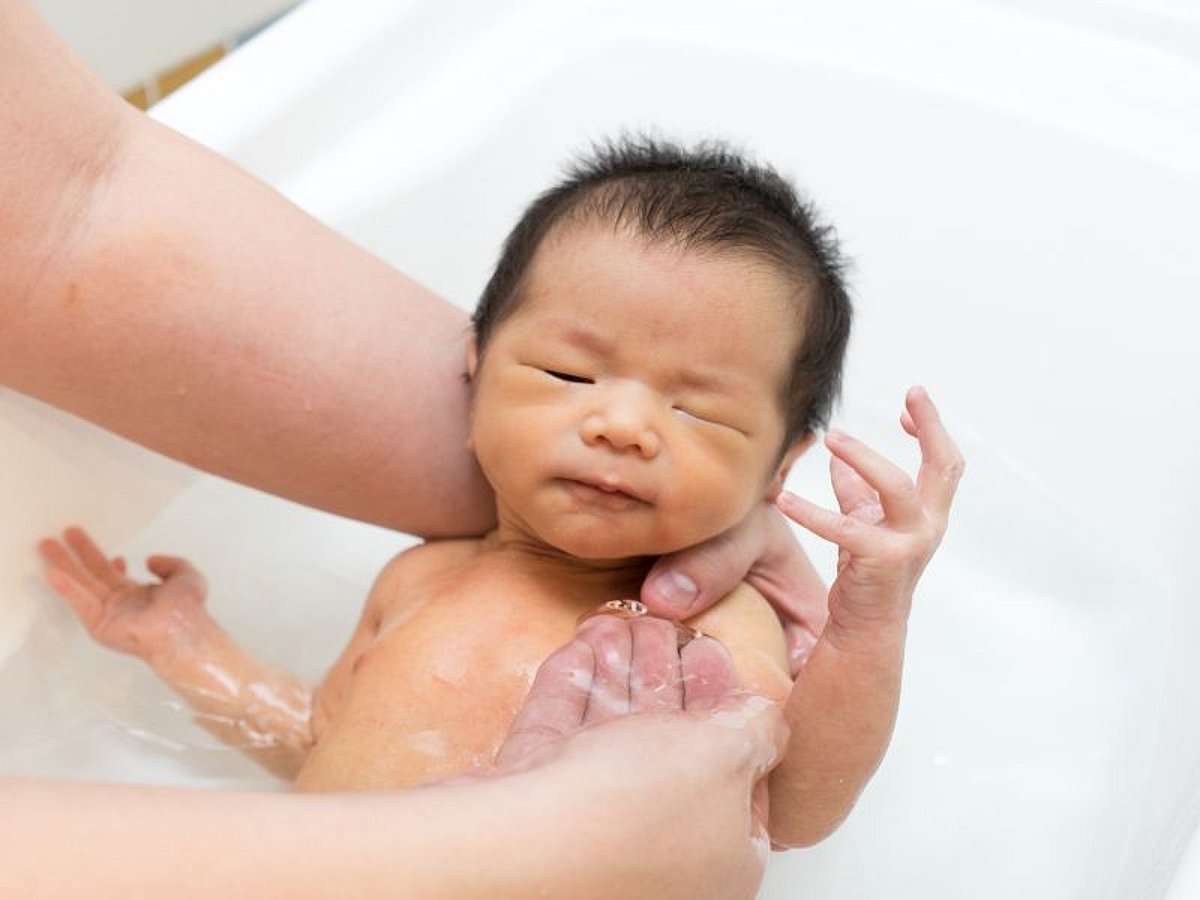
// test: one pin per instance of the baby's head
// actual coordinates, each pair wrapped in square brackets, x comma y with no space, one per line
[662,336]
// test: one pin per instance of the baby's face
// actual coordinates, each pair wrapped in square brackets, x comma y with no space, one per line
[629,406]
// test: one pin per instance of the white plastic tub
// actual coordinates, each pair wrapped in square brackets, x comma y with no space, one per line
[1020,192]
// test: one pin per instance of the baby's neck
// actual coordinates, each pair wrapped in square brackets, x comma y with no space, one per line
[600,579]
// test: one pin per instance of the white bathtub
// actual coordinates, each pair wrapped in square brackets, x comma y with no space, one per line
[1020,191]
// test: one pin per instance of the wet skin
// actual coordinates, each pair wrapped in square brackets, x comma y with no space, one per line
[627,408]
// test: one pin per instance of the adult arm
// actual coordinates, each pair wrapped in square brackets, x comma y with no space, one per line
[581,815]
[154,288]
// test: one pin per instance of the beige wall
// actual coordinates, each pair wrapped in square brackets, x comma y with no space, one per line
[130,41]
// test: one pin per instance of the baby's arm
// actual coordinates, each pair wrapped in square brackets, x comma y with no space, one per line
[264,712]
[843,707]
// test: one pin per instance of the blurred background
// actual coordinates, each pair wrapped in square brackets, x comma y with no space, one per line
[147,48]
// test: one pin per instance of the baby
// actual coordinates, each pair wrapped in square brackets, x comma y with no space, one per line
[658,344]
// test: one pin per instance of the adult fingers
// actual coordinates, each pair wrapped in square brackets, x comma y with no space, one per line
[554,708]
[708,675]
[685,583]
[612,647]
[942,463]
[786,577]
[755,729]
[655,679]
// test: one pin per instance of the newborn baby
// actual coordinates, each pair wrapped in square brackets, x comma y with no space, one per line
[659,342]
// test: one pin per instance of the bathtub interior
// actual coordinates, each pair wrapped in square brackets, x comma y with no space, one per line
[1020,228]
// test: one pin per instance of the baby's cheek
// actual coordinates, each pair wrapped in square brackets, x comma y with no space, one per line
[711,501]
[505,447]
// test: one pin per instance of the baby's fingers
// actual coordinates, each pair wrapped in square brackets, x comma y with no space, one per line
[167,566]
[87,605]
[93,558]
[844,531]
[58,557]
[897,494]
[855,497]
[942,463]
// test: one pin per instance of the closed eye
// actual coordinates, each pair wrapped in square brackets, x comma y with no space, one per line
[687,413]
[567,376]
[705,420]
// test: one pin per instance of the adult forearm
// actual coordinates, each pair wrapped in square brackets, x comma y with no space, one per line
[508,839]
[842,711]
[59,839]
[152,287]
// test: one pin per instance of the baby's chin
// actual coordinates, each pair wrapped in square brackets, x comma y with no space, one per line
[601,544]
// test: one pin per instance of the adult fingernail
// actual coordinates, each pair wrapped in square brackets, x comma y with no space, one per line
[677,592]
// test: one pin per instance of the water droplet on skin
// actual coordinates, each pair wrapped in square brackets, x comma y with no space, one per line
[429,743]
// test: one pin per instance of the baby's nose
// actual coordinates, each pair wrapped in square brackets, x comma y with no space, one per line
[625,424]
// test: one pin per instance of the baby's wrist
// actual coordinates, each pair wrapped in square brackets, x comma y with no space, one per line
[872,635]
[193,644]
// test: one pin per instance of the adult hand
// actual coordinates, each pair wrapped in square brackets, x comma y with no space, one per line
[664,761]
[653,806]
[762,551]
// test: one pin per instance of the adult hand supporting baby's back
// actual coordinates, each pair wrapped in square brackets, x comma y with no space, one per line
[762,551]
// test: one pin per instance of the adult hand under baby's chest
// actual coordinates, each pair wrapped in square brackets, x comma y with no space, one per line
[434,693]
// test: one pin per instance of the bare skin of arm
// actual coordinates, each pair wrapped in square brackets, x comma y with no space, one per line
[155,289]
[179,302]
[843,707]
[263,711]
[570,816]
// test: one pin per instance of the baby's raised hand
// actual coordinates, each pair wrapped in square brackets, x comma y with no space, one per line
[888,527]
[144,620]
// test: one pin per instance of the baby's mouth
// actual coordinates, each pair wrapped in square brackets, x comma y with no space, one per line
[600,493]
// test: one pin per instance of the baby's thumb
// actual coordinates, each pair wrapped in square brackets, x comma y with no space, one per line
[165,567]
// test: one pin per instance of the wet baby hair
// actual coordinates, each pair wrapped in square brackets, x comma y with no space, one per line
[704,198]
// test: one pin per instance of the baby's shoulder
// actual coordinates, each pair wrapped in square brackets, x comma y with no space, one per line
[412,571]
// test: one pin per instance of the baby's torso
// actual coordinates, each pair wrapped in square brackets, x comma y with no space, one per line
[445,654]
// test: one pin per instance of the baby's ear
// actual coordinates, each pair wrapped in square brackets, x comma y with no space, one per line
[793,453]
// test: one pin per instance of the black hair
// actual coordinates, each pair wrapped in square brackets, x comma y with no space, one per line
[711,198]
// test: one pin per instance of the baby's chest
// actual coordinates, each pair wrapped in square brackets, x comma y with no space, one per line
[436,694]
